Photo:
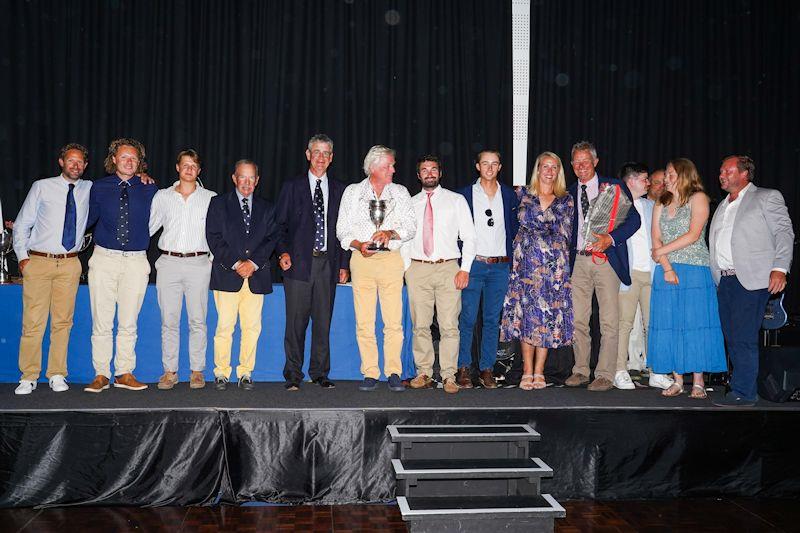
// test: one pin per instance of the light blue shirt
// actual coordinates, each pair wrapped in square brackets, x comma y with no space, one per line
[312,182]
[40,223]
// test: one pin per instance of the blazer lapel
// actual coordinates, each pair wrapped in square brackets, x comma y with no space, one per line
[235,211]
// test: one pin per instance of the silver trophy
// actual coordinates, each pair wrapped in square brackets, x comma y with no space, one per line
[378,211]
[5,248]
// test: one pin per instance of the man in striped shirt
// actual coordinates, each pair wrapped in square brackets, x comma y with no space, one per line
[184,268]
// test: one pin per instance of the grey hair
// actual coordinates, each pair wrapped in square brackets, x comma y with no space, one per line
[375,153]
[320,138]
[582,146]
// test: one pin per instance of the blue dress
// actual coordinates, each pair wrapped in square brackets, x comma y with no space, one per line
[685,334]
[538,305]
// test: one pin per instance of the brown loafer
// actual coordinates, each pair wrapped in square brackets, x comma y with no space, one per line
[99,384]
[421,382]
[600,384]
[463,378]
[450,386]
[127,381]
[576,380]
[197,380]
[487,379]
[167,381]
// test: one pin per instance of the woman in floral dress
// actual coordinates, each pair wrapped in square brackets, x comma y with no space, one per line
[538,305]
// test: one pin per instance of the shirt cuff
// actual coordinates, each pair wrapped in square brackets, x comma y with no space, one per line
[778,269]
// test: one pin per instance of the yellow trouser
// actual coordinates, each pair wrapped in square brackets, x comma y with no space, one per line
[247,306]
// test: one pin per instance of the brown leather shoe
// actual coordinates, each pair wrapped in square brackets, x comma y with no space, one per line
[450,386]
[421,382]
[197,380]
[99,384]
[600,385]
[576,380]
[487,379]
[167,381]
[463,378]
[127,381]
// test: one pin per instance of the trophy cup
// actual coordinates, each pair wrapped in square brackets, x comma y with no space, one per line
[5,248]
[378,211]
[87,240]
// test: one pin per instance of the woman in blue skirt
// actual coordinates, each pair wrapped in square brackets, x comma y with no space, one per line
[685,335]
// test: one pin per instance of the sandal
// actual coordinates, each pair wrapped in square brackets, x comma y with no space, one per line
[673,390]
[539,382]
[698,392]
[526,383]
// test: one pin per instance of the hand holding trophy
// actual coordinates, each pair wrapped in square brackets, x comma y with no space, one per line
[378,211]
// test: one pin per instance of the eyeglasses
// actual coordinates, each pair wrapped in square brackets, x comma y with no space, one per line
[489,222]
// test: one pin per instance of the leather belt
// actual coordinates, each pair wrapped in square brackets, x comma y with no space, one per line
[188,254]
[437,262]
[53,256]
[584,252]
[492,260]
[730,272]
[318,253]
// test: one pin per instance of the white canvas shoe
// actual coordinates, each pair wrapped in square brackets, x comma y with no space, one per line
[660,381]
[25,387]
[58,383]
[623,381]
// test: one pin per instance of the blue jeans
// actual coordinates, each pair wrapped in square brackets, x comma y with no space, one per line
[491,281]
[741,313]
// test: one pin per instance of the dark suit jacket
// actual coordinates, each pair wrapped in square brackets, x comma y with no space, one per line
[229,242]
[295,218]
[510,205]
[618,252]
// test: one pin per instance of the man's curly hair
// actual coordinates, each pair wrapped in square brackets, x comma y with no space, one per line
[114,147]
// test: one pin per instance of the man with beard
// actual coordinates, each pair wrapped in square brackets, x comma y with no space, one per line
[433,275]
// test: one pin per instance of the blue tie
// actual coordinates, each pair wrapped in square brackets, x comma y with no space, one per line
[319,218]
[122,222]
[70,221]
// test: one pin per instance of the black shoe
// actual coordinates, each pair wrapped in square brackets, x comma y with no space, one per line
[246,383]
[731,400]
[395,384]
[220,383]
[292,386]
[368,385]
[324,382]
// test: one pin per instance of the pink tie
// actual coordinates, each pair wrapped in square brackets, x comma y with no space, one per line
[427,228]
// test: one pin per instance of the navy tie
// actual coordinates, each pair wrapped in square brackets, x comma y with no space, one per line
[319,217]
[70,221]
[122,224]
[246,214]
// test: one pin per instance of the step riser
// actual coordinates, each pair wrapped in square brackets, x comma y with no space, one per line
[521,525]
[463,450]
[468,487]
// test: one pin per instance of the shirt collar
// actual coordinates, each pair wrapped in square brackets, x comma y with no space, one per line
[239,196]
[312,178]
[593,182]
[741,193]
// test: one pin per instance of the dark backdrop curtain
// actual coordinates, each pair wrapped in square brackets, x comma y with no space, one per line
[644,80]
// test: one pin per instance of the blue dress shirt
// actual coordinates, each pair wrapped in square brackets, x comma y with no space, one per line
[104,210]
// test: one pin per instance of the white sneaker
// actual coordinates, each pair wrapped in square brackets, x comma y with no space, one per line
[58,383]
[623,381]
[25,387]
[660,381]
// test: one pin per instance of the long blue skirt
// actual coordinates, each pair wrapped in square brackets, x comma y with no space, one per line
[685,334]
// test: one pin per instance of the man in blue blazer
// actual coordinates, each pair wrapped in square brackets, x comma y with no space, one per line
[312,262]
[494,211]
[241,234]
[591,275]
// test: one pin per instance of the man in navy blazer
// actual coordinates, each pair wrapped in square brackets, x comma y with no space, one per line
[312,262]
[241,234]
[591,275]
[496,225]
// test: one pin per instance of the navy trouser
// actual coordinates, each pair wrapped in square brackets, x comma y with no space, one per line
[491,281]
[741,313]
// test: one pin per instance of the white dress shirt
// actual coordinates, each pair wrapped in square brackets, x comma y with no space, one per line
[40,223]
[354,223]
[592,190]
[183,220]
[312,183]
[640,242]
[451,221]
[490,241]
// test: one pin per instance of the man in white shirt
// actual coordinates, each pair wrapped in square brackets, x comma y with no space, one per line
[377,273]
[47,238]
[184,268]
[657,185]
[433,275]
[751,242]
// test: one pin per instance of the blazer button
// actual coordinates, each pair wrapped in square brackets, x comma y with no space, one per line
[247,252]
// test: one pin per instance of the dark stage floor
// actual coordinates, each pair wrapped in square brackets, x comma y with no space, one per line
[700,515]
[347,396]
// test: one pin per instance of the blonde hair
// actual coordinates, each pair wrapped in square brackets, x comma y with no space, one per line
[114,147]
[688,181]
[559,187]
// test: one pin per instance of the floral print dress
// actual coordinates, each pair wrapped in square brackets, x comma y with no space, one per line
[538,304]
